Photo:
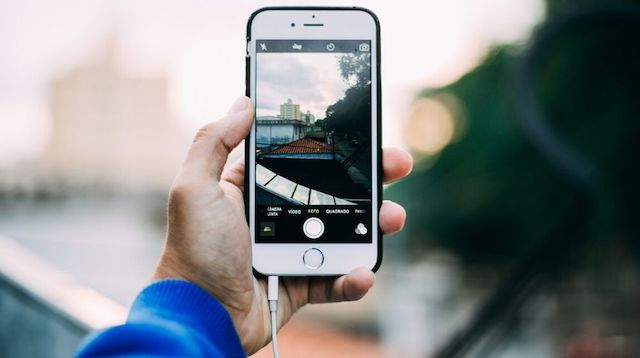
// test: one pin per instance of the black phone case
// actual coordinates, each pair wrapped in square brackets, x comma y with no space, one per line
[379,107]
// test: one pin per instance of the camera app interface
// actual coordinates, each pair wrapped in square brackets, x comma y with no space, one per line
[313,141]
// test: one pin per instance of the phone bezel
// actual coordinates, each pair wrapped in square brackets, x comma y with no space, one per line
[339,23]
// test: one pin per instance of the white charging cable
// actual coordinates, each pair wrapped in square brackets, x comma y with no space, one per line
[272,297]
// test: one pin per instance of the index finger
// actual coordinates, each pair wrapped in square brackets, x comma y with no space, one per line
[396,164]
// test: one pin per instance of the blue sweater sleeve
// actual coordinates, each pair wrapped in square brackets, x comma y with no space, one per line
[169,318]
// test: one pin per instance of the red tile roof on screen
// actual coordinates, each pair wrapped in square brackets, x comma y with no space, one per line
[304,145]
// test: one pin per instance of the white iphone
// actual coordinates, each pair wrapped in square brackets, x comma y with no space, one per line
[313,172]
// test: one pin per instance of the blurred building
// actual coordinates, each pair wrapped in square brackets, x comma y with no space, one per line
[111,129]
[308,117]
[290,125]
[290,110]
[272,131]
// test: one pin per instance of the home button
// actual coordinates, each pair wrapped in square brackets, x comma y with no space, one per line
[313,258]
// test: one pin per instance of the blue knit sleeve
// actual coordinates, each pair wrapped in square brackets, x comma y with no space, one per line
[169,318]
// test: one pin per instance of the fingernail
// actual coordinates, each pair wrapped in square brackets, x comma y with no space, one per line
[239,105]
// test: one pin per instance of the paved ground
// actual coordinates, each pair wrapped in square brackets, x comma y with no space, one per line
[111,245]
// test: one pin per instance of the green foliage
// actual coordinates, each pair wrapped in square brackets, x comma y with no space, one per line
[356,69]
[490,195]
[350,115]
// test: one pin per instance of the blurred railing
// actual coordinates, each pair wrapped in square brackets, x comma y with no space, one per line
[45,312]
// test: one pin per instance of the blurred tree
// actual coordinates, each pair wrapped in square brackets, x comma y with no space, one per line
[350,115]
[542,178]
[355,69]
[490,196]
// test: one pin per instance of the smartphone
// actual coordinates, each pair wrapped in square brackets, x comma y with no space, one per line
[313,157]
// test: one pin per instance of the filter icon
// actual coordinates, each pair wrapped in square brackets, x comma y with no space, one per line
[361,229]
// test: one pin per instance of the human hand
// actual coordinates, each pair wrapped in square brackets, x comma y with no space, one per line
[208,241]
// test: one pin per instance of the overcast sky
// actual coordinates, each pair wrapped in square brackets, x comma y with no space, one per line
[309,79]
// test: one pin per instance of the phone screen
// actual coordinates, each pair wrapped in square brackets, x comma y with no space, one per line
[313,142]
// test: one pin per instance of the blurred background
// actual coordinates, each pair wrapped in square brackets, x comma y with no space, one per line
[522,117]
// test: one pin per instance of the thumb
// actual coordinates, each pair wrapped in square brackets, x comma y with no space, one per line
[213,142]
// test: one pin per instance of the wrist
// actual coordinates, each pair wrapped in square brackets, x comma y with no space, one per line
[244,320]
[178,301]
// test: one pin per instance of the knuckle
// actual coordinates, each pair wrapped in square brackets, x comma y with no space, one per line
[204,132]
[180,192]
